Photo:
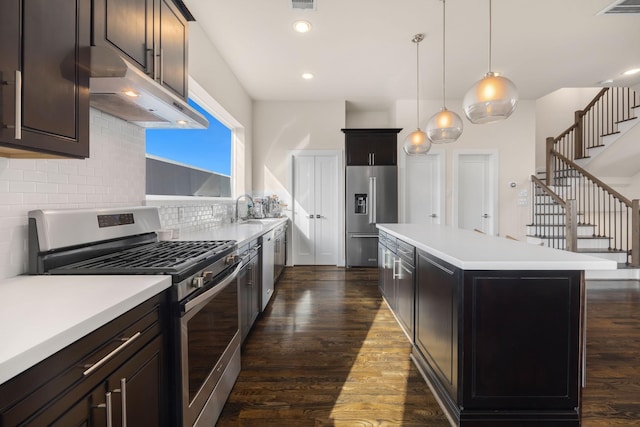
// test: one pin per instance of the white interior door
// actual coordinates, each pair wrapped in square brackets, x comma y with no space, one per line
[315,196]
[304,209]
[476,198]
[423,193]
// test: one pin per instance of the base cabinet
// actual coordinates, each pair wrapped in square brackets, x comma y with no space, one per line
[500,348]
[249,289]
[396,279]
[115,376]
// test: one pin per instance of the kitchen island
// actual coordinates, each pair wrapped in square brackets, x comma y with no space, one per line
[498,326]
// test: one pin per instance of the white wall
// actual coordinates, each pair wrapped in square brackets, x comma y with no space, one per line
[368,119]
[283,126]
[514,141]
[555,114]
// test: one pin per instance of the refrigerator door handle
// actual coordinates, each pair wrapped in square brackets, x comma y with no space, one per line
[373,204]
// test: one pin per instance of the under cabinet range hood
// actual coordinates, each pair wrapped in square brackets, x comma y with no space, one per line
[120,89]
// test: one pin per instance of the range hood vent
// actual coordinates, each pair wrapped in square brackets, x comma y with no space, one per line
[112,82]
[622,7]
[303,4]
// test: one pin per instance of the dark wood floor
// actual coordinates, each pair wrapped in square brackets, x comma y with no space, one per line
[328,352]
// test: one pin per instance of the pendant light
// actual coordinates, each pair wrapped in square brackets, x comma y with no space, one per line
[491,99]
[444,126]
[416,142]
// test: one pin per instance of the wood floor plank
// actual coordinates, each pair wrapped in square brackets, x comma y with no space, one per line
[328,352]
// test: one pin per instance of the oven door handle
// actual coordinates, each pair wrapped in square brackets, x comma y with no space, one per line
[210,293]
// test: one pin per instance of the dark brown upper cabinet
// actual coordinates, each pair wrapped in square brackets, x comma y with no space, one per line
[44,89]
[150,34]
[371,147]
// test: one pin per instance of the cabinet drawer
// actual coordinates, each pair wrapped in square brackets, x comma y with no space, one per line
[81,366]
[406,251]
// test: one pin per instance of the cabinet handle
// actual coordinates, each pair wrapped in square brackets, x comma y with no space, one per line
[150,60]
[107,406]
[318,216]
[123,399]
[161,65]
[373,159]
[18,127]
[18,104]
[441,267]
[155,63]
[105,359]
[396,261]
[311,216]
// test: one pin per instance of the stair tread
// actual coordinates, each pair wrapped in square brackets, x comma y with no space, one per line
[563,236]
[601,251]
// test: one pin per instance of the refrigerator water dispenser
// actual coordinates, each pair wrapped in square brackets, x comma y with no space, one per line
[361,204]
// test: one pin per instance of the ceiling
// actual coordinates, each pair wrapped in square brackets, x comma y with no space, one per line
[361,51]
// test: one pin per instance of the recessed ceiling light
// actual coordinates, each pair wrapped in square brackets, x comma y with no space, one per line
[182,122]
[632,71]
[131,93]
[302,26]
[307,76]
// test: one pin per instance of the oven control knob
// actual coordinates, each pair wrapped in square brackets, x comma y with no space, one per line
[231,259]
[199,281]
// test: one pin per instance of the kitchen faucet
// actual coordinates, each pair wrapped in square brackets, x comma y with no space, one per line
[238,200]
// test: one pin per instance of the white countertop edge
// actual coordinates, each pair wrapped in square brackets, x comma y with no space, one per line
[243,232]
[26,358]
[545,258]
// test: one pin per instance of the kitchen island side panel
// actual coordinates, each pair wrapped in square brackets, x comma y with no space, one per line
[517,345]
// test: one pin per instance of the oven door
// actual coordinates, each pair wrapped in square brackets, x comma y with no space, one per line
[209,337]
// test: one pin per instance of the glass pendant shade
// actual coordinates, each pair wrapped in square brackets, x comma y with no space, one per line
[491,99]
[444,126]
[416,143]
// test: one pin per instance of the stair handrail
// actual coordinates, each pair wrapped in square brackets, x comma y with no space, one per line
[601,116]
[598,203]
[593,178]
[570,236]
[549,191]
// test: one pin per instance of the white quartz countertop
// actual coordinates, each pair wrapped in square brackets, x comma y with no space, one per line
[470,250]
[243,231]
[41,315]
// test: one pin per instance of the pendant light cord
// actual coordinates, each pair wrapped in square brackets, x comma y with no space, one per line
[490,35]
[443,54]
[417,40]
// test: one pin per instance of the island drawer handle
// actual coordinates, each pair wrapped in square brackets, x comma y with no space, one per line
[110,355]
[441,267]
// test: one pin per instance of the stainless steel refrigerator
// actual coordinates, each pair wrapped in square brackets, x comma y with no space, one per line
[372,197]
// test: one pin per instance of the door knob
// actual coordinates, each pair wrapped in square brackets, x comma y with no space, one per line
[434,216]
[318,216]
[485,216]
[311,216]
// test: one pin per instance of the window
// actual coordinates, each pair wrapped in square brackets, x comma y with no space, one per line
[190,162]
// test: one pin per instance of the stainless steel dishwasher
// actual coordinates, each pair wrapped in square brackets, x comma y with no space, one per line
[268,257]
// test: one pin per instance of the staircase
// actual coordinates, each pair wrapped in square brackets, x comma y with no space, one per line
[574,210]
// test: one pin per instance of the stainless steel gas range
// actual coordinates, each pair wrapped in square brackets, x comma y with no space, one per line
[205,337]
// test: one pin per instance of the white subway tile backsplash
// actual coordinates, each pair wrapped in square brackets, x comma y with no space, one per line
[114,175]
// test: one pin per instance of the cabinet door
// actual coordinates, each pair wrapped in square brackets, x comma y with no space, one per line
[357,150]
[127,26]
[90,411]
[436,333]
[173,48]
[44,60]
[405,297]
[138,388]
[244,290]
[384,149]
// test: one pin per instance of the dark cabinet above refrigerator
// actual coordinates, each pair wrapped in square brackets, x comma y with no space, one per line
[371,147]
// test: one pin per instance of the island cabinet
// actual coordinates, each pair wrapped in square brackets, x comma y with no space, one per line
[115,376]
[500,347]
[396,279]
[44,78]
